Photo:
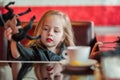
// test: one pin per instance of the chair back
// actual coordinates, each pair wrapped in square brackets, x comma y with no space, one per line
[83,32]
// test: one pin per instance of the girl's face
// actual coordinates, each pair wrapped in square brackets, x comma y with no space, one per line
[51,72]
[52,31]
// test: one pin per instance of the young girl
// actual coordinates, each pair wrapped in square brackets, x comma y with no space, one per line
[56,34]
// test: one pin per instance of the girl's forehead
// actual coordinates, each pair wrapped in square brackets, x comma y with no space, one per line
[55,18]
[54,21]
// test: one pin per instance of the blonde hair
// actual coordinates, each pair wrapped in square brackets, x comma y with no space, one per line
[67,27]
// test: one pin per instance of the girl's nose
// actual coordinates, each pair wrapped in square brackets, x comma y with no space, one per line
[50,33]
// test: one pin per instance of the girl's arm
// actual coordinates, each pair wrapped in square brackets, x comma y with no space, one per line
[12,29]
[18,51]
[8,33]
[14,49]
[93,52]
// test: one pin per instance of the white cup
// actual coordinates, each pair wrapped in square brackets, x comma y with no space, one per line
[77,53]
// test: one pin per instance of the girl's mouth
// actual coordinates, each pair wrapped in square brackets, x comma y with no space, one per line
[49,40]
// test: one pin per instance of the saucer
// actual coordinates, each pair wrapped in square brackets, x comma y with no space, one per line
[88,62]
[81,69]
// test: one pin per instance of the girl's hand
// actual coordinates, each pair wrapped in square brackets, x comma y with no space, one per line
[12,24]
[11,28]
[8,34]
[93,52]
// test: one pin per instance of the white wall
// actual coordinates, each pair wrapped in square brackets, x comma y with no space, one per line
[62,2]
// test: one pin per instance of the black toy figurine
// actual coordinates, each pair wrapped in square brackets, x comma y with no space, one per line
[23,32]
[4,18]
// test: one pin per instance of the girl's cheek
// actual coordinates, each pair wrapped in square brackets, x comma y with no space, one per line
[44,33]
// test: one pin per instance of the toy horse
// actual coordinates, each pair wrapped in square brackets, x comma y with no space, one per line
[23,31]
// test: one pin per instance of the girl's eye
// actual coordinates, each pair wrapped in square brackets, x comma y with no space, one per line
[56,31]
[45,29]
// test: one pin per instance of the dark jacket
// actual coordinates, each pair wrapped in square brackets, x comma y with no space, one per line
[35,53]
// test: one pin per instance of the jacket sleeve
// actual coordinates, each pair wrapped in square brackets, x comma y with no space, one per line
[26,54]
[35,54]
[53,56]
